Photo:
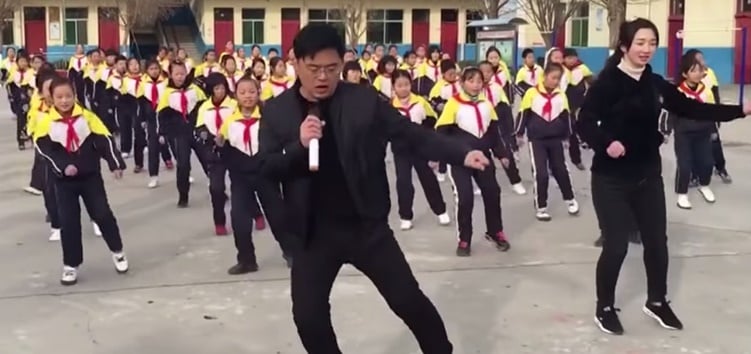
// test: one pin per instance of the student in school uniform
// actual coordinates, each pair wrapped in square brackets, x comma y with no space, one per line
[113,93]
[290,63]
[693,139]
[580,78]
[710,81]
[278,80]
[421,84]
[502,73]
[8,63]
[73,140]
[241,60]
[545,120]
[19,85]
[176,120]
[431,66]
[418,111]
[382,82]
[212,113]
[91,72]
[447,86]
[352,72]
[103,96]
[206,68]
[496,95]
[76,66]
[132,130]
[238,139]
[394,52]
[258,71]
[255,53]
[529,74]
[182,56]
[470,117]
[230,72]
[152,87]
[40,105]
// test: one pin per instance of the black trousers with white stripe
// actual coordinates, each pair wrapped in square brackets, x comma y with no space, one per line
[405,190]
[462,177]
[548,155]
[90,189]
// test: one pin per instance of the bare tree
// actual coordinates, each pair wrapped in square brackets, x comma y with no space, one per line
[616,16]
[549,16]
[493,8]
[7,12]
[135,13]
[354,17]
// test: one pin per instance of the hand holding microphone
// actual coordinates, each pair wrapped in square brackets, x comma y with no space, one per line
[311,130]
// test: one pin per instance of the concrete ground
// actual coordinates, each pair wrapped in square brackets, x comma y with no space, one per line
[537,298]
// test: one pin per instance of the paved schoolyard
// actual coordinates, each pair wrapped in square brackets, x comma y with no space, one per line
[537,298]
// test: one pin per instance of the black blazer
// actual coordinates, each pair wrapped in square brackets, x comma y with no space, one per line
[364,125]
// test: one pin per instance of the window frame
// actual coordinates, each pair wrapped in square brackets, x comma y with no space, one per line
[384,18]
[80,24]
[253,22]
[471,32]
[7,30]
[580,27]
[678,7]
[331,17]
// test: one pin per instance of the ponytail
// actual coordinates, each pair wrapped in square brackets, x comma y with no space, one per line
[613,60]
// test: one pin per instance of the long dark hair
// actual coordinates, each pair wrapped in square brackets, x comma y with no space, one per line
[626,35]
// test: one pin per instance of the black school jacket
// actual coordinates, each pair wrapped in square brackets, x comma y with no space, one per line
[364,124]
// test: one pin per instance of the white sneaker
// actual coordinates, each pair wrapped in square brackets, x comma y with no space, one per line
[97,230]
[191,179]
[683,201]
[32,190]
[125,155]
[153,182]
[444,219]
[54,235]
[478,191]
[543,215]
[406,225]
[516,157]
[573,207]
[70,276]
[518,189]
[121,263]
[441,177]
[707,194]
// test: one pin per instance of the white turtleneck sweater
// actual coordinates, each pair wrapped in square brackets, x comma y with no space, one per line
[633,71]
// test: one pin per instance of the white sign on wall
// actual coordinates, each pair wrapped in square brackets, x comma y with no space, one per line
[599,19]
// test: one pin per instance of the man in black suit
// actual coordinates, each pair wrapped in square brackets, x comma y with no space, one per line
[341,211]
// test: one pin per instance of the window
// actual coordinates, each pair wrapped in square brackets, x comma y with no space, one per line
[290,14]
[332,17]
[423,15]
[253,25]
[385,26]
[76,19]
[7,33]
[449,15]
[678,7]
[473,15]
[745,5]
[223,13]
[580,27]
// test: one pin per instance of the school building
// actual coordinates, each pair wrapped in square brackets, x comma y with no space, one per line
[717,30]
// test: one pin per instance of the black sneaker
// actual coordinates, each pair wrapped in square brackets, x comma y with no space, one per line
[663,314]
[499,240]
[182,203]
[288,260]
[463,249]
[607,320]
[243,268]
[580,166]
[724,176]
[598,241]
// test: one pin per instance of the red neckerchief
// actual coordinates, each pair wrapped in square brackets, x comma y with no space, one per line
[79,63]
[280,84]
[532,72]
[489,94]
[547,108]
[695,94]
[72,141]
[436,69]
[183,103]
[137,79]
[154,94]
[405,110]
[478,114]
[218,114]
[454,91]
[411,72]
[248,123]
[498,79]
[576,65]
[234,80]
[21,74]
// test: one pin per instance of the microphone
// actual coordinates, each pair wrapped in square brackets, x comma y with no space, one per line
[313,147]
